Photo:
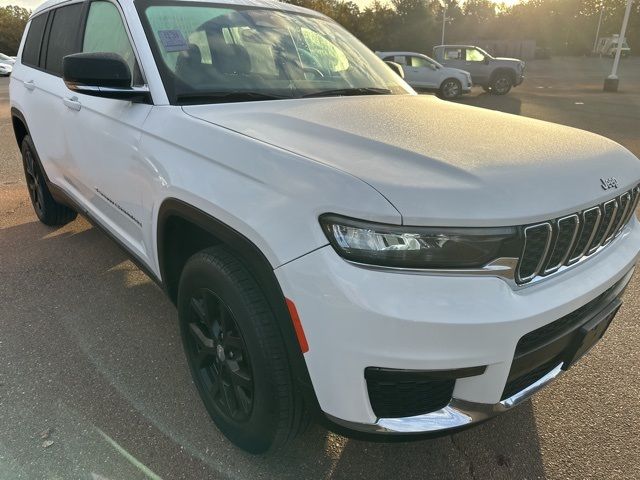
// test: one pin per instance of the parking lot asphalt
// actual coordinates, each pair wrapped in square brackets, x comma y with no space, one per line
[90,354]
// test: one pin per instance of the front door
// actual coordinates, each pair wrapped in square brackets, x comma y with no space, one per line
[424,72]
[103,136]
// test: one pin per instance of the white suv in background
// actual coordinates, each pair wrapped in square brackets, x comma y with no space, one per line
[425,74]
[335,244]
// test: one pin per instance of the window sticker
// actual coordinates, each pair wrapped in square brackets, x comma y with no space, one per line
[173,40]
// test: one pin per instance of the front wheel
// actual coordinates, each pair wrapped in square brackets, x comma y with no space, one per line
[501,84]
[236,353]
[450,89]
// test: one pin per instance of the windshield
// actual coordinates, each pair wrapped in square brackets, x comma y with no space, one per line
[483,52]
[220,53]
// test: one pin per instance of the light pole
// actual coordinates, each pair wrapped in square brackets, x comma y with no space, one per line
[611,82]
[444,20]
[595,42]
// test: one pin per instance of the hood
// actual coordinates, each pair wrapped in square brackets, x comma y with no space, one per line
[437,162]
[507,59]
[456,70]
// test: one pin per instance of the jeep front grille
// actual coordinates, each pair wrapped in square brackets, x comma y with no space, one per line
[551,245]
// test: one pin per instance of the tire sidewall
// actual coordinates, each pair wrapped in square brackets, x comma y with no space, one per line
[257,433]
[497,77]
[444,84]
[28,147]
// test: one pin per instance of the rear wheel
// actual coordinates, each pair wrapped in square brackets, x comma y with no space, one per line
[236,354]
[47,209]
[450,88]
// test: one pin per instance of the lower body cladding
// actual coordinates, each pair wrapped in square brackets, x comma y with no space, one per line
[401,353]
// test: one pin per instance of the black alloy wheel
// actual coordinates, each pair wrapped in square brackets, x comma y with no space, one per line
[34,182]
[49,211]
[219,355]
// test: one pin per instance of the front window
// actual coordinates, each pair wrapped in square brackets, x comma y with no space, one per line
[421,62]
[210,53]
[474,55]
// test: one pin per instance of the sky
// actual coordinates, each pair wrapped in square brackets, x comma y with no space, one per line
[30,4]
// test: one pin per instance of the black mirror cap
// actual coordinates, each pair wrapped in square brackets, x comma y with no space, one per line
[396,67]
[96,70]
[101,74]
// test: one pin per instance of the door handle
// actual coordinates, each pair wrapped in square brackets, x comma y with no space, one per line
[72,102]
[30,85]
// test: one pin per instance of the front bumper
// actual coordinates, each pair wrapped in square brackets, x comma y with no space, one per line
[355,318]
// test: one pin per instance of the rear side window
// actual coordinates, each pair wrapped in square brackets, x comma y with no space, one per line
[63,36]
[453,54]
[31,50]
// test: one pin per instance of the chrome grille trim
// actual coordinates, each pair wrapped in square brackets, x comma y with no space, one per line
[597,242]
[625,203]
[594,229]
[634,205]
[549,270]
[536,271]
[583,252]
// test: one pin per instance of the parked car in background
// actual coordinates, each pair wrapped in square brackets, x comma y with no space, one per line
[424,73]
[496,75]
[5,69]
[607,46]
[7,59]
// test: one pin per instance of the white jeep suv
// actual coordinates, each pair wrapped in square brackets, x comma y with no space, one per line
[335,244]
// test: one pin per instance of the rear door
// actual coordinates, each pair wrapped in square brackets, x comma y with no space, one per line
[103,135]
[51,35]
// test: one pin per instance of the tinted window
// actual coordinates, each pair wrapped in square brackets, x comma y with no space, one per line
[105,32]
[62,36]
[31,51]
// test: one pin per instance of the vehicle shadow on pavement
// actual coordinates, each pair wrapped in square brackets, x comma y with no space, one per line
[90,351]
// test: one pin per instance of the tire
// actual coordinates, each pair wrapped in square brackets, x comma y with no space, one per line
[236,353]
[47,209]
[501,83]
[450,88]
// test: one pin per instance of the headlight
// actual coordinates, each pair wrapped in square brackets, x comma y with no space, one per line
[419,247]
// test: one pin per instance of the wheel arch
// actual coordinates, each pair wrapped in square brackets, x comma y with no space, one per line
[20,128]
[183,229]
[501,70]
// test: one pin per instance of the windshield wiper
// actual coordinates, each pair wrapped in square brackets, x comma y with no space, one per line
[227,96]
[340,92]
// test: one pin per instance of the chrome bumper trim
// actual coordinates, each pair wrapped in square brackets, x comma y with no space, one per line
[458,413]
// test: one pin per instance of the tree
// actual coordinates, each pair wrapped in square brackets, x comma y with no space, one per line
[13,19]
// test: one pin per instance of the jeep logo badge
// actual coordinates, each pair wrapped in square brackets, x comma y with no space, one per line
[608,183]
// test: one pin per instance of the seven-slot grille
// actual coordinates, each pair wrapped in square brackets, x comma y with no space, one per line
[548,246]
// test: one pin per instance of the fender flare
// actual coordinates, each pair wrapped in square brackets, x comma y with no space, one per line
[258,265]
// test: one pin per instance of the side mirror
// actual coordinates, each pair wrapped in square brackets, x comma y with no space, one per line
[396,67]
[486,60]
[104,75]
